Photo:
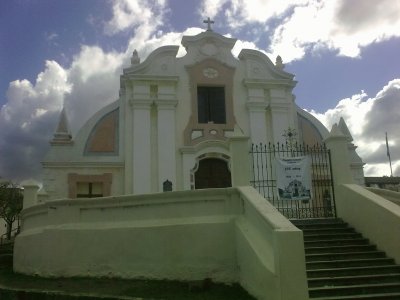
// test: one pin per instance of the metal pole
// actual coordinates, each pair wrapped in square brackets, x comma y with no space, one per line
[388,154]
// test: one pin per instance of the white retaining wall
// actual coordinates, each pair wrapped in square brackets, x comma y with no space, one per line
[227,235]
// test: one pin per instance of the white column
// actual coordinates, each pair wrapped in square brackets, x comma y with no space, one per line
[141,146]
[166,142]
[127,139]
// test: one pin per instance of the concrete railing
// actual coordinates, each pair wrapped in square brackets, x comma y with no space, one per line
[387,194]
[375,217]
[270,250]
[227,235]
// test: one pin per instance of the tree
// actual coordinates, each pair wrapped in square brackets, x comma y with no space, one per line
[10,204]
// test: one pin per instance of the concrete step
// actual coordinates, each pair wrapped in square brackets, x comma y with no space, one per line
[344,256]
[316,221]
[348,263]
[340,249]
[329,230]
[336,242]
[331,236]
[353,271]
[341,264]
[361,297]
[354,280]
[318,226]
[355,290]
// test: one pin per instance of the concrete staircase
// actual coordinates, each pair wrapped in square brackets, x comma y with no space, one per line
[342,264]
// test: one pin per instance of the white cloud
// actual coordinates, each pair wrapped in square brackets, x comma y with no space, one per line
[28,119]
[244,45]
[94,75]
[368,119]
[51,38]
[240,12]
[296,27]
[343,26]
[140,14]
[353,110]
[146,46]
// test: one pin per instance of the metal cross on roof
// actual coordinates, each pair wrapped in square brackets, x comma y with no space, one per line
[208,22]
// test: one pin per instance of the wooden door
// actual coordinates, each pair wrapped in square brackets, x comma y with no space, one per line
[212,173]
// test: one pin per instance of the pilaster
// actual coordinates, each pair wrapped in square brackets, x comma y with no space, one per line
[240,163]
[280,120]
[258,123]
[141,145]
[166,142]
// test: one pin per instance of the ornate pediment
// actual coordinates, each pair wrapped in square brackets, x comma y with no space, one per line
[209,44]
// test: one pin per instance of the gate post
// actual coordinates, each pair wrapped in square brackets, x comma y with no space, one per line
[240,162]
[340,161]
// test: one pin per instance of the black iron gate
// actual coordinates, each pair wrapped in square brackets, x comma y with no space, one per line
[322,201]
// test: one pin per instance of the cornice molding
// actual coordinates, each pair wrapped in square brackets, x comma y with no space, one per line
[79,164]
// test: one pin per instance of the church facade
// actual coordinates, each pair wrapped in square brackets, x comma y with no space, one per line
[171,125]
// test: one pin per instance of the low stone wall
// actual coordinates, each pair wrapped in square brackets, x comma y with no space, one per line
[227,235]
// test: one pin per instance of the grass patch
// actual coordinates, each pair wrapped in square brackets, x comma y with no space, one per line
[147,289]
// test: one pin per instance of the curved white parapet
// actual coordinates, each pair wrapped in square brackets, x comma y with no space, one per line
[227,235]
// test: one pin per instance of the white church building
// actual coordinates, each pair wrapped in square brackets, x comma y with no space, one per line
[173,120]
[160,184]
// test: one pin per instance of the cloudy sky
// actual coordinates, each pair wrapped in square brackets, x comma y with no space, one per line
[345,55]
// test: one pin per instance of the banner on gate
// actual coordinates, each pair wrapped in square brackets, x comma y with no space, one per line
[294,178]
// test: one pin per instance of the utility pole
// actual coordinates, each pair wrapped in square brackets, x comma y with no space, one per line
[388,154]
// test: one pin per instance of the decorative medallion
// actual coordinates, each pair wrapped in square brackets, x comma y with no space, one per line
[210,73]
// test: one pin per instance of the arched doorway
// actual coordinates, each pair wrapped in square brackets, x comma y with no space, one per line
[212,173]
